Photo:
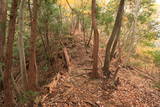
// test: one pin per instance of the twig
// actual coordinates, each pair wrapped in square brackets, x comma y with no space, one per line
[43,98]
[71,7]
[92,104]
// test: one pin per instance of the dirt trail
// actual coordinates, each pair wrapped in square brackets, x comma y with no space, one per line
[77,89]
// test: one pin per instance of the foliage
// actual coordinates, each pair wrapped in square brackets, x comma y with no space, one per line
[27,96]
[150,35]
[45,67]
[1,78]
[148,44]
[106,15]
[156,56]
[49,16]
[157,85]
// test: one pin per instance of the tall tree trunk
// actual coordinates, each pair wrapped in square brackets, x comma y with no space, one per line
[3,19]
[32,73]
[96,39]
[8,101]
[115,42]
[21,45]
[113,38]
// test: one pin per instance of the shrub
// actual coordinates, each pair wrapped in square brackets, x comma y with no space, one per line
[156,56]
[27,96]
[148,44]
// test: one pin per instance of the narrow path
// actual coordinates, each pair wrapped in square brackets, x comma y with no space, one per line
[77,89]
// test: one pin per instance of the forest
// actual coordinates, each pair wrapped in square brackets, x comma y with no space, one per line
[79,53]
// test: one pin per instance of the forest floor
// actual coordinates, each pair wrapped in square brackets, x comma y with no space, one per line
[77,89]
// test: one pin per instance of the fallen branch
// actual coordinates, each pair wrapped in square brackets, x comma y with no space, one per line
[43,98]
[92,104]
[50,87]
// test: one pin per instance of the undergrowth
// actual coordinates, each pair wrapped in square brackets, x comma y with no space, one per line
[156,57]
[27,96]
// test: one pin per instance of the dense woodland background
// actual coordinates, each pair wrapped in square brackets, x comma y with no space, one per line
[79,53]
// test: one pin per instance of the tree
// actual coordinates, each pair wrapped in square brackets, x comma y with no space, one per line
[132,38]
[138,27]
[21,45]
[113,39]
[32,73]
[96,39]
[3,19]
[8,101]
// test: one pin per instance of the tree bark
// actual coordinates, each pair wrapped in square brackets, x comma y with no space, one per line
[96,39]
[115,42]
[21,45]
[32,73]
[113,38]
[3,20]
[90,37]
[8,102]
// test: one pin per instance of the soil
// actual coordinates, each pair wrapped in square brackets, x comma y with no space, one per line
[132,87]
[77,89]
